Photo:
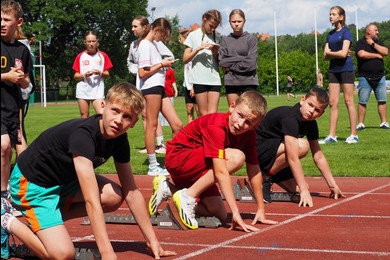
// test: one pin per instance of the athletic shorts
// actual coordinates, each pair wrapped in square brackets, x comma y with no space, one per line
[41,206]
[282,175]
[188,99]
[206,88]
[289,89]
[239,89]
[365,90]
[342,77]
[158,90]
[187,166]
[13,130]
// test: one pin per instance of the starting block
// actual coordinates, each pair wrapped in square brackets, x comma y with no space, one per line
[168,218]
[22,251]
[243,192]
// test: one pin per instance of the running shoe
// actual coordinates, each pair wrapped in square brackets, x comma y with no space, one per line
[186,207]
[352,139]
[161,192]
[161,149]
[328,140]
[143,150]
[360,127]
[384,125]
[158,170]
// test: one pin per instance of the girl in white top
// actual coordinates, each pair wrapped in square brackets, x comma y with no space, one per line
[91,67]
[202,49]
[152,81]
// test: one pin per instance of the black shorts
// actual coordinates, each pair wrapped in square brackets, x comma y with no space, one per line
[267,150]
[282,175]
[158,90]
[342,77]
[239,89]
[13,130]
[206,88]
[188,99]
[289,89]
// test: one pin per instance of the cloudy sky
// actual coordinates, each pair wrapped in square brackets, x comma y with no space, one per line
[292,16]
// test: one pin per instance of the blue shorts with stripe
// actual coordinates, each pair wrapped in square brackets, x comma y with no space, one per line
[41,206]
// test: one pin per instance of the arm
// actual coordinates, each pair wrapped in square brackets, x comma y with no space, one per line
[137,206]
[292,148]
[256,181]
[149,71]
[175,89]
[322,164]
[223,178]
[341,54]
[189,53]
[16,76]
[362,54]
[90,191]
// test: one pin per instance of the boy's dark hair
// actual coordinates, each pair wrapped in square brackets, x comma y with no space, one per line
[320,94]
[9,6]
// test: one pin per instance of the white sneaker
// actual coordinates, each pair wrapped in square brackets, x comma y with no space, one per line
[328,140]
[143,150]
[161,192]
[161,149]
[360,126]
[158,170]
[384,125]
[352,139]
[186,207]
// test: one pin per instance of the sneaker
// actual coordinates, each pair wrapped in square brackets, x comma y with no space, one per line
[8,207]
[352,139]
[158,170]
[384,125]
[143,150]
[161,149]
[186,207]
[329,140]
[360,127]
[266,187]
[161,192]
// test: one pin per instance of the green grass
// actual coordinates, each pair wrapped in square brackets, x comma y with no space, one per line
[370,157]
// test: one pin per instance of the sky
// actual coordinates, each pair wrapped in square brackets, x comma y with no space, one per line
[292,16]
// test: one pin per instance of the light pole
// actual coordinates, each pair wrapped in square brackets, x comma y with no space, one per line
[153,9]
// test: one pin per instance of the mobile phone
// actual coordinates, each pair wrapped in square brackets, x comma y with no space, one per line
[175,60]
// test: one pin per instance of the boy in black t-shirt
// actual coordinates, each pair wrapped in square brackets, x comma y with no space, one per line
[16,62]
[58,169]
[280,146]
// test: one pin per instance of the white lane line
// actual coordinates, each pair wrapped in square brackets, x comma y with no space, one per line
[227,242]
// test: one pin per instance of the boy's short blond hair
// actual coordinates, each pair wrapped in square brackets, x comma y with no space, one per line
[255,102]
[11,6]
[126,95]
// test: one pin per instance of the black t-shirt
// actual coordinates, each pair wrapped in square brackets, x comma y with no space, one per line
[369,68]
[13,55]
[277,123]
[48,161]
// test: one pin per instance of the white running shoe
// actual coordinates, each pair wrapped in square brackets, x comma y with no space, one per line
[186,207]
[352,139]
[158,170]
[161,192]
[384,125]
[360,127]
[161,149]
[328,140]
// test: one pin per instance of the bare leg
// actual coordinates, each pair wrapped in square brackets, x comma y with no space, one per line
[334,96]
[84,108]
[349,102]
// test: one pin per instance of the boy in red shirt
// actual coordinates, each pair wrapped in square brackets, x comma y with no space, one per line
[207,151]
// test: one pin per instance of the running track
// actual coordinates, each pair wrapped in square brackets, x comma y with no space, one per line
[356,227]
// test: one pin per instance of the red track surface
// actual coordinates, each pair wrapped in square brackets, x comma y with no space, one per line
[356,227]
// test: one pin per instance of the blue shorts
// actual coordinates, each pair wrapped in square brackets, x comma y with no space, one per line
[365,90]
[41,206]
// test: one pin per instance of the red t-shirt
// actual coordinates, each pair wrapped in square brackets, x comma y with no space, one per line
[169,79]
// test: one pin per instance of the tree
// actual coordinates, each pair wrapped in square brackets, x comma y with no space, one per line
[62,24]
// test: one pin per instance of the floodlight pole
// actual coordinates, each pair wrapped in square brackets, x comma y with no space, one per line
[276,57]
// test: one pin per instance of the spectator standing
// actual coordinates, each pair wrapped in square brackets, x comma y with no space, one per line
[202,49]
[91,67]
[320,79]
[370,52]
[238,58]
[341,73]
